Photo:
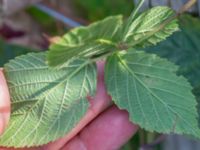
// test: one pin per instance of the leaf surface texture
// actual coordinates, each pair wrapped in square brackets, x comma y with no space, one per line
[46,103]
[149,89]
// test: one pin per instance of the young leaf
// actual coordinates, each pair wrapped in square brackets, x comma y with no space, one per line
[151,27]
[149,89]
[46,104]
[96,39]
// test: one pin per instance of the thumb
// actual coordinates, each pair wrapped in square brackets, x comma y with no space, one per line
[4,102]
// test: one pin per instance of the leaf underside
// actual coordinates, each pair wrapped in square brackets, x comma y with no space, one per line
[149,89]
[86,42]
[151,27]
[46,104]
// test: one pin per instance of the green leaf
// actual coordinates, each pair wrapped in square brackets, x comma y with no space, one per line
[46,103]
[60,55]
[151,27]
[155,97]
[86,42]
[107,35]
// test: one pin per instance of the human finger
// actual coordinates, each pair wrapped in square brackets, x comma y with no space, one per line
[109,131]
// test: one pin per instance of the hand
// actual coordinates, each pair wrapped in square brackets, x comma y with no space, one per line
[104,127]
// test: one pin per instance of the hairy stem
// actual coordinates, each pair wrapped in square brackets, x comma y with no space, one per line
[187,6]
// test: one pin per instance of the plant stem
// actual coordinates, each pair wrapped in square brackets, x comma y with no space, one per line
[153,144]
[142,137]
[187,6]
[150,137]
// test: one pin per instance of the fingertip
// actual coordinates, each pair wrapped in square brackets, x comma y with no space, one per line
[4,102]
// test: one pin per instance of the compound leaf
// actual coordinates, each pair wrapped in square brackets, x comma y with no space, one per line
[149,89]
[151,27]
[46,103]
[95,39]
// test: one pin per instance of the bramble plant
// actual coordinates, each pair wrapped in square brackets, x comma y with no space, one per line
[49,89]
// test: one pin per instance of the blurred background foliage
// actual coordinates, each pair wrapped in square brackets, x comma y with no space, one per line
[47,22]
[9,51]
[94,10]
[182,47]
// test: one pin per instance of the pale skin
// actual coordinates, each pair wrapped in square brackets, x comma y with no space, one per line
[104,126]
